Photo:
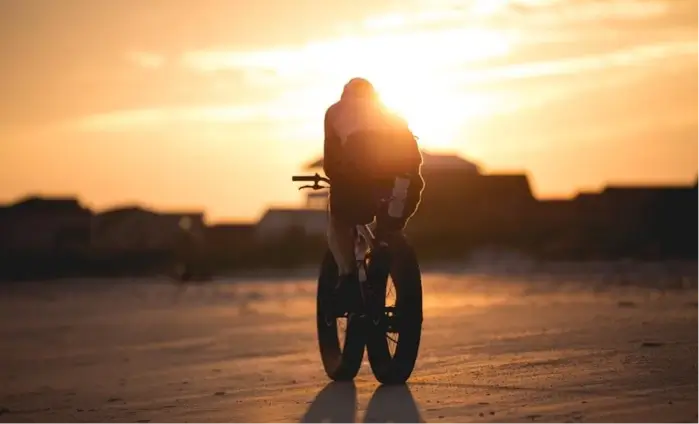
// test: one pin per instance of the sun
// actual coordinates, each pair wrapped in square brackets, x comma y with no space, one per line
[436,114]
[420,80]
[421,75]
[433,116]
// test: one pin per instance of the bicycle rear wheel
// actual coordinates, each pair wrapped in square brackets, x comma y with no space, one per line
[341,339]
[395,327]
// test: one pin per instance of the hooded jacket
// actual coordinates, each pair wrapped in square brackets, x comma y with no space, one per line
[360,115]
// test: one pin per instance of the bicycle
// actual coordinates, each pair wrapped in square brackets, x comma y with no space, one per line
[380,259]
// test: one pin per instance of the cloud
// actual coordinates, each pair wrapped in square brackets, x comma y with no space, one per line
[434,49]
[593,10]
[518,13]
[156,118]
[146,60]
[442,36]
[169,117]
[439,60]
[306,102]
[589,63]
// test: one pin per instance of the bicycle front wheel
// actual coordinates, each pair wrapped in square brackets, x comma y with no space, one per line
[341,338]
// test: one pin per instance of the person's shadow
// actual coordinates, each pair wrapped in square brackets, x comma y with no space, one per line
[337,403]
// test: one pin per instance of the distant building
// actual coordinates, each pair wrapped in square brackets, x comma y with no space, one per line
[317,199]
[135,228]
[278,222]
[459,197]
[45,224]
[480,207]
[664,218]
[229,237]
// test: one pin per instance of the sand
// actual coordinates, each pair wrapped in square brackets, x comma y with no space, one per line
[498,349]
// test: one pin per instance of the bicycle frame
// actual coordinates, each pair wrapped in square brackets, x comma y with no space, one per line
[360,251]
[363,232]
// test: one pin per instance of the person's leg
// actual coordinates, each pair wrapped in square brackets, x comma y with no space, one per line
[348,208]
[341,244]
[350,205]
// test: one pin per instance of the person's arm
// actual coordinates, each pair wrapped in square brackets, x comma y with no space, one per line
[414,156]
[332,148]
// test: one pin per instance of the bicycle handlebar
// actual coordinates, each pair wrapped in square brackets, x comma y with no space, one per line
[315,179]
[302,178]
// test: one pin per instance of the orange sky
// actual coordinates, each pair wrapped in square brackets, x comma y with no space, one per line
[213,104]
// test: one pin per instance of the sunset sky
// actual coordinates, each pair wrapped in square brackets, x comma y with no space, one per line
[213,104]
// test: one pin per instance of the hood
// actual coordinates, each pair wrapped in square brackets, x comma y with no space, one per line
[359,88]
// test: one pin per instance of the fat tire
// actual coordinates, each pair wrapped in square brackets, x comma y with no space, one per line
[341,363]
[399,261]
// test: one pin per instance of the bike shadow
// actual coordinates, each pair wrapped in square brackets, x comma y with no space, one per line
[337,403]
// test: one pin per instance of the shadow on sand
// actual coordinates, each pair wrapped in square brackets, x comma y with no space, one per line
[337,403]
